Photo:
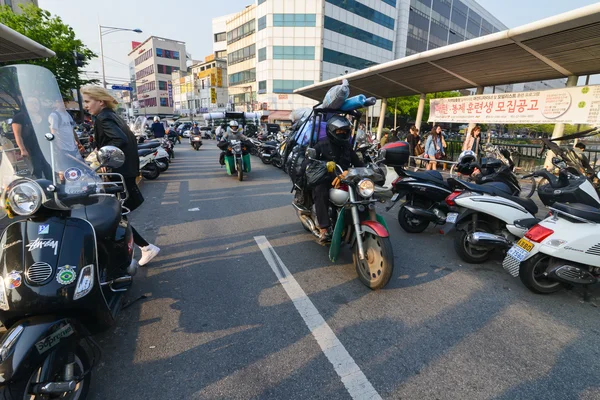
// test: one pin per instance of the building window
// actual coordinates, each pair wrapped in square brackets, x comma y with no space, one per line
[262,87]
[148,102]
[262,23]
[243,77]
[173,55]
[474,23]
[360,9]
[144,72]
[221,54]
[295,20]
[336,57]
[166,69]
[458,19]
[146,56]
[390,2]
[220,37]
[164,102]
[241,55]
[241,32]
[293,53]
[162,85]
[288,86]
[262,54]
[358,34]
[261,1]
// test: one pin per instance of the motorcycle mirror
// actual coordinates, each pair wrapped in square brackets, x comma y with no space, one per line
[598,174]
[556,160]
[111,156]
[311,153]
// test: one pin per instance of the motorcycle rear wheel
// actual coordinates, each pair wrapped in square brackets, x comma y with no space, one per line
[376,269]
[466,251]
[19,390]
[266,160]
[531,273]
[410,222]
[277,162]
[151,172]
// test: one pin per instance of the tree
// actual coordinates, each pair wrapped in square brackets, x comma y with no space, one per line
[51,32]
[409,105]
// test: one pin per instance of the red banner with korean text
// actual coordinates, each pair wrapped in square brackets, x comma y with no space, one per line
[575,105]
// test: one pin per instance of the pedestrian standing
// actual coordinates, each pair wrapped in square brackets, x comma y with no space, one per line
[110,129]
[414,144]
[434,149]
[472,140]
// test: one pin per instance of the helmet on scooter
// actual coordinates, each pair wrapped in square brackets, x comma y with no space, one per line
[465,161]
[233,125]
[339,129]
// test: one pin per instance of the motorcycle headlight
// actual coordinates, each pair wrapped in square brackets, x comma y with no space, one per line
[25,198]
[366,188]
[85,282]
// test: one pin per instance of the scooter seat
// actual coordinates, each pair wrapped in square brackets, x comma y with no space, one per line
[271,143]
[580,210]
[433,176]
[528,204]
[104,216]
[145,152]
[149,145]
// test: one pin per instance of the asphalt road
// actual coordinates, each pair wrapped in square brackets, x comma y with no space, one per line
[217,323]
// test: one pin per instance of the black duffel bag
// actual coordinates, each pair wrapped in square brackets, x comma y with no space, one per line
[316,174]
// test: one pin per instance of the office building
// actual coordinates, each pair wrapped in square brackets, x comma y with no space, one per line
[275,47]
[14,4]
[200,89]
[154,60]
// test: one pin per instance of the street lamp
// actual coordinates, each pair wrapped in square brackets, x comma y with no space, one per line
[106,31]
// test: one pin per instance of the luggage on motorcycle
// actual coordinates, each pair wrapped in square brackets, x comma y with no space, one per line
[396,154]
[316,174]
[336,96]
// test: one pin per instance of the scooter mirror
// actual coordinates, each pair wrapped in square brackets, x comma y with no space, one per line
[111,156]
[598,174]
[311,153]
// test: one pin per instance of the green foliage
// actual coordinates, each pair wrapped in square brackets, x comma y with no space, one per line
[51,32]
[410,104]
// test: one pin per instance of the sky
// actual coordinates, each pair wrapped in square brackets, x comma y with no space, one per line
[190,21]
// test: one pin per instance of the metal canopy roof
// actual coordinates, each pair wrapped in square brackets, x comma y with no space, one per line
[556,47]
[14,46]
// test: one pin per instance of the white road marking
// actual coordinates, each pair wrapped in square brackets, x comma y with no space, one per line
[194,209]
[355,381]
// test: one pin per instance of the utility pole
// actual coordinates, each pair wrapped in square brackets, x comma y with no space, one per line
[79,60]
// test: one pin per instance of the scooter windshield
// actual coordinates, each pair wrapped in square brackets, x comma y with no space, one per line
[37,139]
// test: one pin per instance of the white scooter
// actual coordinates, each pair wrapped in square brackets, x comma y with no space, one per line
[491,218]
[148,165]
[562,249]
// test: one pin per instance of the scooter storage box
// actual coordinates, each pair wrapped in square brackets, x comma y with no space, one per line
[396,154]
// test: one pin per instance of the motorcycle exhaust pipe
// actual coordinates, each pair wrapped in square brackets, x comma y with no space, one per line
[425,214]
[488,239]
[572,274]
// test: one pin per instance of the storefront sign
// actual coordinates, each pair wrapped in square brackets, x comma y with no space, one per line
[282,97]
[213,95]
[576,105]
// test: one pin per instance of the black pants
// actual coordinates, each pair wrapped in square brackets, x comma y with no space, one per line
[320,195]
[134,201]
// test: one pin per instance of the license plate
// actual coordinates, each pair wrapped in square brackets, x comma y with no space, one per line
[395,197]
[521,250]
[451,218]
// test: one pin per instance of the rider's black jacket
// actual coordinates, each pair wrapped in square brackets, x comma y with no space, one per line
[111,130]
[341,154]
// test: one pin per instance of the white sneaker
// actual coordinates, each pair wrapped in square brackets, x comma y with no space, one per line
[148,253]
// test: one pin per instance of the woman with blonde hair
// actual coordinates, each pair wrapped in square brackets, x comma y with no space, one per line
[111,130]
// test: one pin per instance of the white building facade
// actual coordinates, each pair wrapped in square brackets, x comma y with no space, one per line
[285,45]
[154,61]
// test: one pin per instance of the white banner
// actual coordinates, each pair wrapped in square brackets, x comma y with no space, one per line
[576,105]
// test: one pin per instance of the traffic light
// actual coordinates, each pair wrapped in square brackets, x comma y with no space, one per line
[78,58]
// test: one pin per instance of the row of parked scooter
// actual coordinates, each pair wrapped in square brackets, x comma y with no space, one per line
[489,211]
[155,156]
[269,147]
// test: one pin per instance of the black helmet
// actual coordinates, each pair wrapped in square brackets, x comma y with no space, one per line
[464,163]
[339,129]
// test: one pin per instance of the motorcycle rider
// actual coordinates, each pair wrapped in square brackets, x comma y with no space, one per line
[158,128]
[335,149]
[233,133]
[195,130]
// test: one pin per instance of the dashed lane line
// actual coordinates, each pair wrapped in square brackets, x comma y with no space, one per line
[355,381]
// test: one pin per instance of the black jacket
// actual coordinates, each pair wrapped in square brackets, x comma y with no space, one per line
[342,155]
[111,130]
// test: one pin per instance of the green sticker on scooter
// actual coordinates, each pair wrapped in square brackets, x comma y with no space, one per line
[66,275]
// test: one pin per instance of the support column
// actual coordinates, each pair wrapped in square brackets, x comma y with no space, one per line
[381,118]
[420,110]
[559,128]
[472,124]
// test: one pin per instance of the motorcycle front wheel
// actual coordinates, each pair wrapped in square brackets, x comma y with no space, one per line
[376,269]
[21,389]
[240,170]
[151,171]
